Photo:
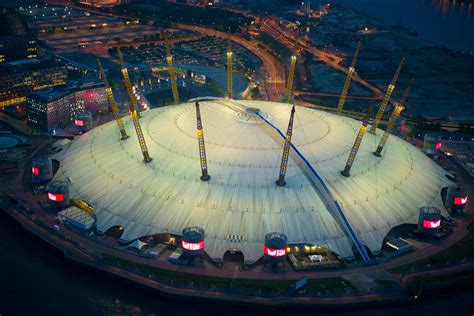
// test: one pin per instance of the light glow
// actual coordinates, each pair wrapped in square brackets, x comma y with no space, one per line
[192,246]
[79,122]
[438,146]
[460,200]
[274,252]
[56,197]
[35,171]
[431,224]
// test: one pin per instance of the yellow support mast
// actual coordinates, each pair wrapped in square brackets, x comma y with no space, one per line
[113,103]
[286,150]
[290,90]
[357,142]
[347,83]
[127,83]
[169,59]
[202,148]
[393,119]
[134,110]
[230,56]
[141,138]
[385,100]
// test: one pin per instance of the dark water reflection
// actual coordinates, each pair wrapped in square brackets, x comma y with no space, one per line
[446,22]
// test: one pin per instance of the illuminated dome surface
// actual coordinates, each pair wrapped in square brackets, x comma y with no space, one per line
[241,202]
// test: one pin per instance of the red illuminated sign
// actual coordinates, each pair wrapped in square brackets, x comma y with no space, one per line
[79,122]
[89,95]
[56,197]
[403,127]
[193,246]
[460,200]
[438,146]
[35,171]
[431,224]
[274,252]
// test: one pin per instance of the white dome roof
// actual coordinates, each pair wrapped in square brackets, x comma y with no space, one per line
[241,201]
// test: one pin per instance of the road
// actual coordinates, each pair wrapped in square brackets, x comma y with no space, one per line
[273,73]
[335,95]
[103,48]
[286,37]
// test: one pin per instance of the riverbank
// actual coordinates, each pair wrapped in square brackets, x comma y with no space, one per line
[82,256]
[57,286]
[75,252]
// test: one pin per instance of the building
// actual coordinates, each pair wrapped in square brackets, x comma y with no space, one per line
[241,203]
[15,42]
[77,218]
[57,107]
[22,77]
[17,47]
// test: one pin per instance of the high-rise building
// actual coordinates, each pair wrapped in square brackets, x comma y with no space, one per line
[57,107]
[22,77]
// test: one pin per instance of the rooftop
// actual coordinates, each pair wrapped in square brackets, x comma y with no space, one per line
[55,93]
[28,65]
[241,202]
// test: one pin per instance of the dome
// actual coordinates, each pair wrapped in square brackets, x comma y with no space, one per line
[241,203]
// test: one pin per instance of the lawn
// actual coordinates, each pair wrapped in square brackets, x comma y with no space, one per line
[177,278]
[441,281]
[324,286]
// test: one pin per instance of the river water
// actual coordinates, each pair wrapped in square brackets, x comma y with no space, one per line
[446,22]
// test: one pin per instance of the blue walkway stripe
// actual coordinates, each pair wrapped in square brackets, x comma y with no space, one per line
[345,221]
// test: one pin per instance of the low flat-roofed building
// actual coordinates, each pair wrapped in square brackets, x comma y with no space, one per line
[400,245]
[77,217]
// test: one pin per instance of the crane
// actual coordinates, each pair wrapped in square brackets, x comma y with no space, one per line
[127,83]
[169,59]
[291,74]
[347,83]
[286,150]
[134,110]
[393,119]
[202,148]
[357,142]
[386,98]
[113,103]
[229,66]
